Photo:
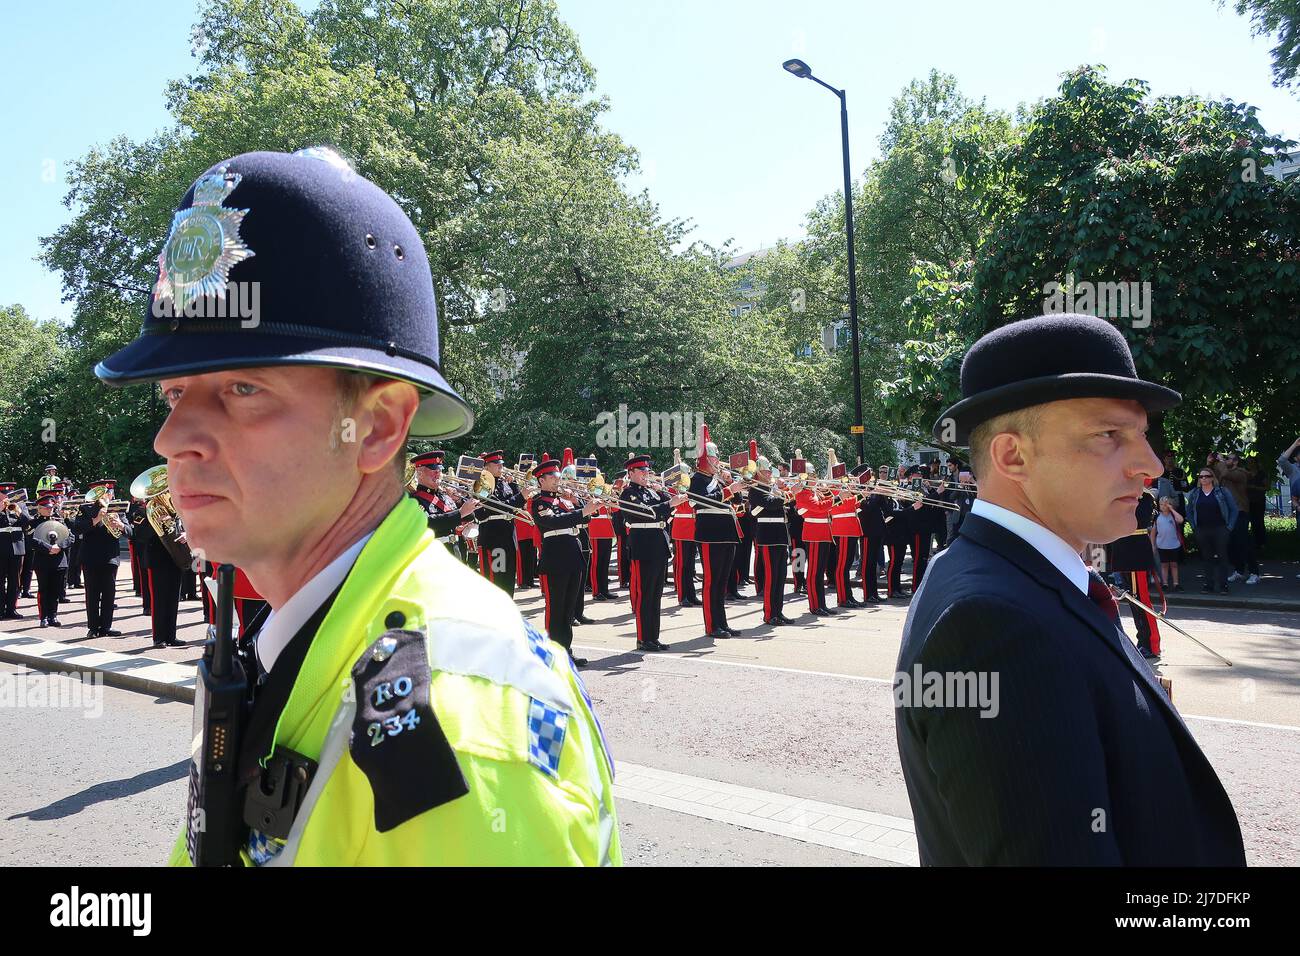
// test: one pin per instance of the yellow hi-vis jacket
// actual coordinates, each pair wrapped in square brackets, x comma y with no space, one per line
[537,777]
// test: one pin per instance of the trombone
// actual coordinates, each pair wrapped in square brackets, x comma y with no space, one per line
[479,489]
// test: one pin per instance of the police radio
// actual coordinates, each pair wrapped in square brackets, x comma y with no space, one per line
[215,819]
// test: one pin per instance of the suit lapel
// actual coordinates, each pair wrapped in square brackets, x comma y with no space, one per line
[1017,550]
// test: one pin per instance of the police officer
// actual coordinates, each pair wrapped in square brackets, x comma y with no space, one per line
[49,480]
[645,515]
[717,534]
[50,561]
[445,516]
[413,704]
[771,543]
[562,564]
[496,530]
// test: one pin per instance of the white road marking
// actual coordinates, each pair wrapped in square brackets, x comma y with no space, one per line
[863,832]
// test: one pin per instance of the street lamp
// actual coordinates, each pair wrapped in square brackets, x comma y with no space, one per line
[801,69]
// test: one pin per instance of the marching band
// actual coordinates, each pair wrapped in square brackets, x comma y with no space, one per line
[747,521]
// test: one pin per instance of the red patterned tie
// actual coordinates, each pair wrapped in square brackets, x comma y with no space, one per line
[1100,595]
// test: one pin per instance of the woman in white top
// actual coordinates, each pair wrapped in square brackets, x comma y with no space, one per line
[1165,534]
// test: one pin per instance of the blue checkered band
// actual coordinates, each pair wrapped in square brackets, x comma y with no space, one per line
[546,728]
[537,641]
[262,848]
[582,688]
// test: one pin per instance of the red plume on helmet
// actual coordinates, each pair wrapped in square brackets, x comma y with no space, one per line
[753,450]
[568,458]
[702,462]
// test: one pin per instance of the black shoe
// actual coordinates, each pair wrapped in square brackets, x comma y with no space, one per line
[1149,654]
[601,597]
[1205,589]
[871,599]
[785,620]
[582,619]
[718,634]
[14,615]
[90,634]
[822,612]
[55,622]
[733,632]
[42,624]
[575,622]
[771,622]
[579,662]
[648,646]
[174,643]
[852,602]
[1178,587]
[26,595]
[110,633]
[832,611]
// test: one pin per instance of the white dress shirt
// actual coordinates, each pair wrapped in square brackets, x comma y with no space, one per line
[283,623]
[1063,557]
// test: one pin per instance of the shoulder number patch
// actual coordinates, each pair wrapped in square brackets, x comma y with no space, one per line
[396,739]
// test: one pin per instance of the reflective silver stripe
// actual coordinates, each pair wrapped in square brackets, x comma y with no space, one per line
[646,524]
[772,520]
[551,534]
[336,744]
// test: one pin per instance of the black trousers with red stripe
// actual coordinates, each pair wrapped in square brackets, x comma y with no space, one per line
[769,575]
[684,570]
[561,591]
[799,565]
[164,582]
[624,566]
[894,576]
[496,562]
[49,588]
[598,578]
[819,556]
[646,580]
[846,550]
[1148,631]
[920,545]
[717,559]
[870,569]
[525,563]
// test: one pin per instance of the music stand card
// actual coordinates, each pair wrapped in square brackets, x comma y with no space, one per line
[469,467]
[586,468]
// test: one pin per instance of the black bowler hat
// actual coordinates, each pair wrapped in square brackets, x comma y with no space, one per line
[327,268]
[1046,359]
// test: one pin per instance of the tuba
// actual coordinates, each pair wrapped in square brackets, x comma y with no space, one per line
[150,486]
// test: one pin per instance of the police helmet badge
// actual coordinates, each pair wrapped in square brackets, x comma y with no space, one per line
[203,245]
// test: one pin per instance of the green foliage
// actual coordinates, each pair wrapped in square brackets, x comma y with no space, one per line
[1281,17]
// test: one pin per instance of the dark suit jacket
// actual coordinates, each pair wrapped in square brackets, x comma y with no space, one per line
[1086,761]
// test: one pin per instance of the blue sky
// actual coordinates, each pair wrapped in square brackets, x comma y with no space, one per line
[726,137]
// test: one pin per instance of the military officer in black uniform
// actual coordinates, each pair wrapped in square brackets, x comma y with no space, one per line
[14,522]
[445,516]
[496,526]
[647,549]
[561,565]
[50,564]
[100,557]
[871,512]
[771,544]
[717,534]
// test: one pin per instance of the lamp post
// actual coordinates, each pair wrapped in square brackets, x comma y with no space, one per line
[801,69]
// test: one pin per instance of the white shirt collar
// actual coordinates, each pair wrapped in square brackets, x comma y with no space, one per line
[283,623]
[1063,557]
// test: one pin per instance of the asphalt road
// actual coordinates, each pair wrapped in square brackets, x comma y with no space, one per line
[803,711]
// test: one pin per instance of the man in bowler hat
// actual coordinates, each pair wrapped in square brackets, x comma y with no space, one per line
[1078,757]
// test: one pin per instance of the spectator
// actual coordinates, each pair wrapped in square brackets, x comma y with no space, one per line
[1257,494]
[1168,543]
[1287,461]
[1211,512]
[1241,547]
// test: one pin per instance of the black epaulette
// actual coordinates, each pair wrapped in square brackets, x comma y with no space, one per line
[397,741]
